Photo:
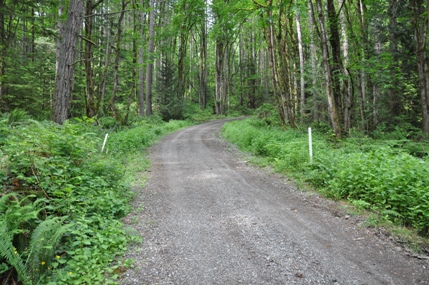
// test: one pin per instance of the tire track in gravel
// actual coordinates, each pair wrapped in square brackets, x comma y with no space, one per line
[209,218]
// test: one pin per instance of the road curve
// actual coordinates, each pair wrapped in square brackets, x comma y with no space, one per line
[208,218]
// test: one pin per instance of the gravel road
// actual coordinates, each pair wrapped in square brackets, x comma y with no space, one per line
[206,217]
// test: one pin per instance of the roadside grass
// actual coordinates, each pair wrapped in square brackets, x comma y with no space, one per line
[379,179]
[62,200]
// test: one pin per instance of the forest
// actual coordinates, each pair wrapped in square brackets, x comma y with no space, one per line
[351,64]
[357,71]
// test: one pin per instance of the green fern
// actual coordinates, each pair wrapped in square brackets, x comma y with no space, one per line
[18,220]
[43,244]
[8,251]
[20,214]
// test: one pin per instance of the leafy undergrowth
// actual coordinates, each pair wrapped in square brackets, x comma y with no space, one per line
[374,175]
[62,199]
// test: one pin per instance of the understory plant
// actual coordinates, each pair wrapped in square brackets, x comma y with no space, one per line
[62,199]
[381,175]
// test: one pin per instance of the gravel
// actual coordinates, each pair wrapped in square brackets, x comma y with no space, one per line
[207,217]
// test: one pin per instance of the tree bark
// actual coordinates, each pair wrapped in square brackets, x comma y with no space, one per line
[91,109]
[313,55]
[420,18]
[2,54]
[333,112]
[338,72]
[141,62]
[102,85]
[69,33]
[203,64]
[134,79]
[285,67]
[184,34]
[270,39]
[251,93]
[301,65]
[346,80]
[394,97]
[361,8]
[116,64]
[220,62]
[149,67]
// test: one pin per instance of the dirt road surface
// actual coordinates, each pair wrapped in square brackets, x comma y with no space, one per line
[208,218]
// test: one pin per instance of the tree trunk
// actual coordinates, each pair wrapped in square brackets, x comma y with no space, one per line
[132,93]
[2,54]
[181,63]
[270,39]
[266,75]
[220,62]
[251,72]
[203,65]
[333,112]
[362,74]
[116,64]
[141,61]
[149,67]
[346,80]
[301,65]
[313,71]
[420,40]
[394,97]
[91,109]
[337,67]
[284,69]
[375,80]
[102,85]
[241,67]
[66,56]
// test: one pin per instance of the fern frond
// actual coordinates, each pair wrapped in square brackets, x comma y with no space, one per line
[20,212]
[8,252]
[5,200]
[43,243]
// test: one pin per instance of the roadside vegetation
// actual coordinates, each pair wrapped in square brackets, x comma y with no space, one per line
[385,174]
[62,199]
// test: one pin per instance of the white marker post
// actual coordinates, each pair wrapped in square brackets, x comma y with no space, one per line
[104,143]
[310,145]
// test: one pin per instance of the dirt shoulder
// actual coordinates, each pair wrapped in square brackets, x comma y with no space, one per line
[209,218]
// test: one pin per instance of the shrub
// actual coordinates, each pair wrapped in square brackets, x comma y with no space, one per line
[381,175]
[62,198]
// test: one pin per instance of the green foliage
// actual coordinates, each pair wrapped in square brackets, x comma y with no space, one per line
[10,254]
[194,113]
[43,244]
[141,135]
[377,175]
[90,251]
[29,257]
[62,198]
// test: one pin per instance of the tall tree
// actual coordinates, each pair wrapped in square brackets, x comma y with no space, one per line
[203,60]
[149,66]
[420,22]
[224,22]
[141,91]
[68,38]
[332,102]
[301,63]
[92,103]
[117,58]
[3,50]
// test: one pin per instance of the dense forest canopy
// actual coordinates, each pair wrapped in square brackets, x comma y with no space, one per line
[352,64]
